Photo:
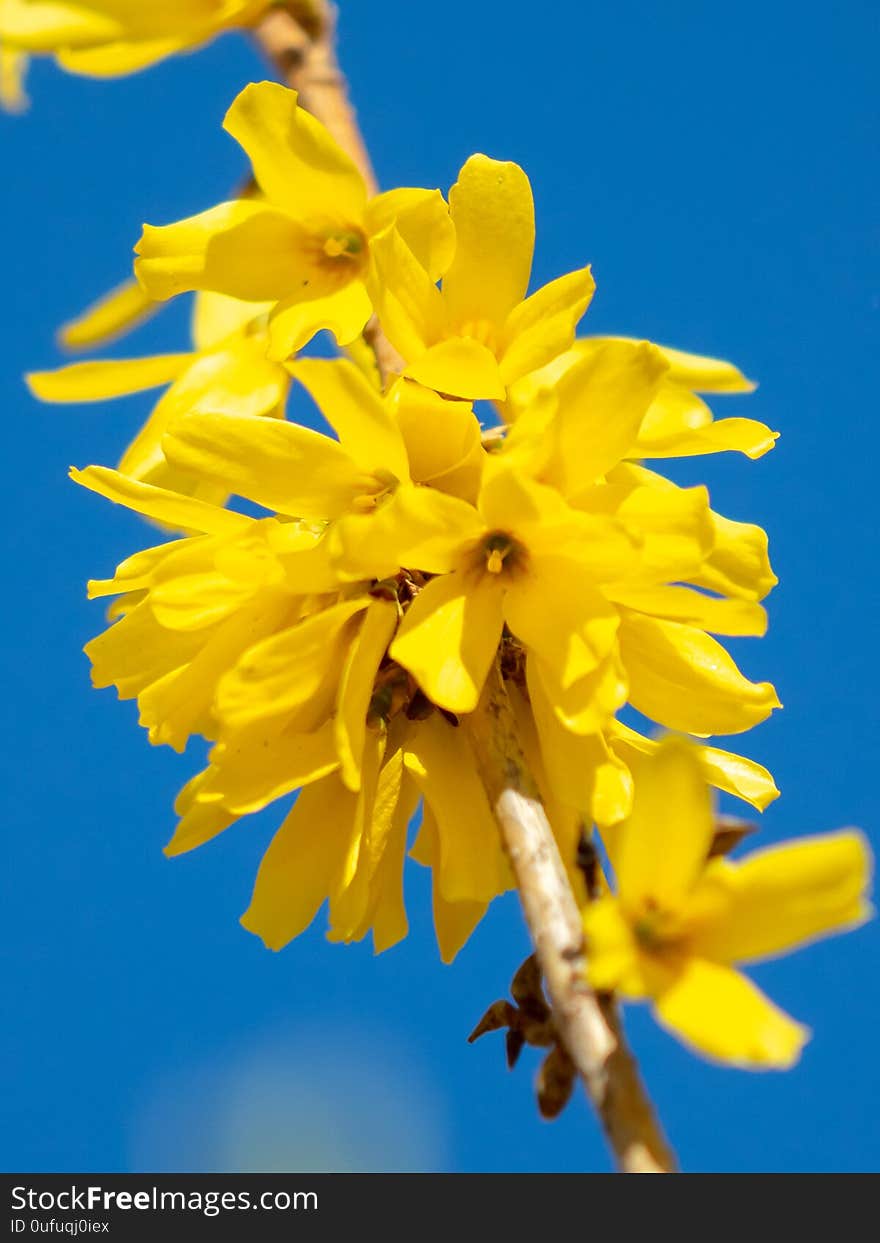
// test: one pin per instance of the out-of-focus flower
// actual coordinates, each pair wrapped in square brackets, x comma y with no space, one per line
[679,922]
[107,38]
[306,244]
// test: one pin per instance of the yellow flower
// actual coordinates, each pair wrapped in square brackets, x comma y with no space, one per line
[679,922]
[228,371]
[243,633]
[478,333]
[305,245]
[586,561]
[104,39]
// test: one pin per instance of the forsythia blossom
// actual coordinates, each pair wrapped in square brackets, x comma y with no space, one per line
[333,629]
[679,921]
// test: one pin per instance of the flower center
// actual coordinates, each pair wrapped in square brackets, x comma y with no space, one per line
[378,488]
[480,330]
[500,553]
[656,929]
[343,244]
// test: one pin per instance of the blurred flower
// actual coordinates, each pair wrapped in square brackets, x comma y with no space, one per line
[103,39]
[679,922]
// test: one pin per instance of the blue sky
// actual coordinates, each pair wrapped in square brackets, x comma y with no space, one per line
[719,169]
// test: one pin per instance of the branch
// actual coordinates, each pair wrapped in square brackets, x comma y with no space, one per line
[304,57]
[303,53]
[588,1023]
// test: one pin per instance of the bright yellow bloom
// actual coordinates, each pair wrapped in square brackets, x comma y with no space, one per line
[244,633]
[306,244]
[586,561]
[227,372]
[679,921]
[478,333]
[105,38]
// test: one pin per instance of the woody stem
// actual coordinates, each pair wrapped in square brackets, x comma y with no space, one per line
[306,61]
[588,1023]
[303,53]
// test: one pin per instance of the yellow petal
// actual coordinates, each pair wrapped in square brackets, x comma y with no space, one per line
[724,1016]
[415,527]
[163,506]
[300,866]
[696,372]
[661,848]
[601,404]
[738,564]
[494,215]
[281,465]
[672,525]
[543,327]
[342,312]
[718,616]
[361,419]
[460,367]
[471,862]
[181,704]
[560,616]
[780,898]
[199,822]
[215,316]
[423,221]
[581,770]
[388,917]
[105,378]
[613,962]
[734,774]
[587,706]
[243,249]
[351,895]
[704,374]
[45,26]
[442,439]
[356,686]
[235,379]
[125,56]
[253,766]
[449,637]
[685,680]
[409,305]
[737,435]
[296,163]
[13,68]
[453,921]
[296,669]
[111,316]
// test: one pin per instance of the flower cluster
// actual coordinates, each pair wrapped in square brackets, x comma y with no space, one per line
[333,628]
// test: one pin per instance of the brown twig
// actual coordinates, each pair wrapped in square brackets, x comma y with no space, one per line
[304,57]
[588,1024]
